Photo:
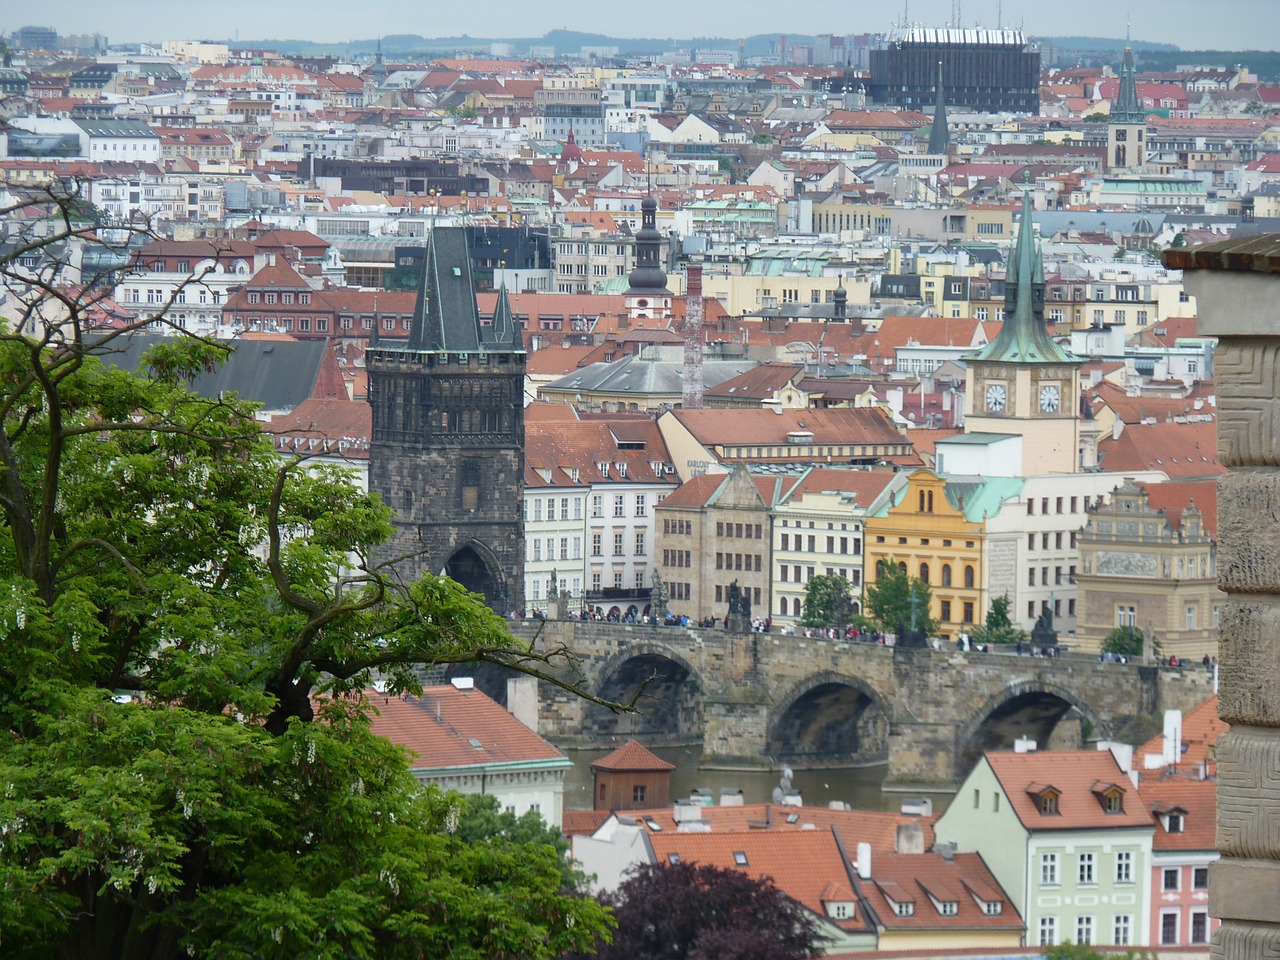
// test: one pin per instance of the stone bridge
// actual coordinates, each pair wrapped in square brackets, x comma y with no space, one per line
[768,698]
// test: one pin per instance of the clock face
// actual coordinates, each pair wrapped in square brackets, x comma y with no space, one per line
[1049,398]
[995,397]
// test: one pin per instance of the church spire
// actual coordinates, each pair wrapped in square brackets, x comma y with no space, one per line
[445,316]
[1023,337]
[939,135]
[1127,107]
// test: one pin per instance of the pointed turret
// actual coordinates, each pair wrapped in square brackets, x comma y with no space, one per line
[939,136]
[1023,337]
[840,301]
[505,331]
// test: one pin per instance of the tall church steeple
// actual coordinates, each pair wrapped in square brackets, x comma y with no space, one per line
[1127,124]
[647,294]
[1024,382]
[939,136]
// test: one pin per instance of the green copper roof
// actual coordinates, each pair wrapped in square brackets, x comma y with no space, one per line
[1022,337]
[1127,107]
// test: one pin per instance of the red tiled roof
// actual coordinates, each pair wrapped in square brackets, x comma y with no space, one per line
[582,823]
[1073,773]
[1201,729]
[694,492]
[917,877]
[865,485]
[1176,496]
[758,383]
[447,727]
[801,864]
[632,756]
[1131,409]
[750,426]
[1198,800]
[342,427]
[1183,451]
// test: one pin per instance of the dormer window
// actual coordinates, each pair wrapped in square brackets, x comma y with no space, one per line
[1175,823]
[1110,796]
[905,909]
[992,908]
[948,908]
[1046,798]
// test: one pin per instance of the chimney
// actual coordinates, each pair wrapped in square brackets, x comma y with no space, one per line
[909,838]
[946,850]
[864,861]
[1024,745]
[1172,736]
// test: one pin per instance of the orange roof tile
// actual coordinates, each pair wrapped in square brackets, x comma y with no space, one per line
[447,727]
[1198,801]
[1201,729]
[1073,773]
[801,864]
[922,878]
[1175,496]
[632,756]
[865,485]
[1183,451]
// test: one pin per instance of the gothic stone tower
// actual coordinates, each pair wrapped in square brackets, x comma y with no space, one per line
[447,450]
[1127,124]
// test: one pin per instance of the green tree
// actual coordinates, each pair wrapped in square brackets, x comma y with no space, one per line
[188,622]
[1097,117]
[999,627]
[893,599]
[828,601]
[1128,641]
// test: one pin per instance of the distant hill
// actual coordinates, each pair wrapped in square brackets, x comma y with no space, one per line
[1107,43]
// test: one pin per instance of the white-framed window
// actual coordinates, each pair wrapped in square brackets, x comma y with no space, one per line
[1048,869]
[537,509]
[641,505]
[1122,930]
[1168,927]
[564,508]
[537,549]
[1048,931]
[1191,618]
[597,545]
[1084,873]
[1124,867]
[1199,926]
[577,548]
[1126,616]
[551,548]
[597,505]
[1084,929]
[617,546]
[1172,877]
[619,505]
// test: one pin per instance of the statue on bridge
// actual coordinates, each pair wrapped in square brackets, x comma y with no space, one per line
[738,619]
[1043,635]
[911,635]
[658,597]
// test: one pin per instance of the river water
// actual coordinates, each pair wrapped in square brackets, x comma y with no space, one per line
[860,787]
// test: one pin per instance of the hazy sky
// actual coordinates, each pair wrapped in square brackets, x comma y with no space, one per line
[1191,24]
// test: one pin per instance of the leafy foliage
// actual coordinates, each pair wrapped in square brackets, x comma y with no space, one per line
[999,627]
[1128,641]
[893,596]
[187,624]
[828,601]
[685,911]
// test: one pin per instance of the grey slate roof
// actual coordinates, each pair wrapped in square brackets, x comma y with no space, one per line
[279,374]
[634,374]
[446,317]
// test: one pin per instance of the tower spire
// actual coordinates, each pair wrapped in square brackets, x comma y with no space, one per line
[1023,337]
[939,136]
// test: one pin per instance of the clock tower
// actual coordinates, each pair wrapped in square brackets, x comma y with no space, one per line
[1023,382]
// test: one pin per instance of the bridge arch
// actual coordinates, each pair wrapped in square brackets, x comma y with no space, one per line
[829,717]
[1032,707]
[670,689]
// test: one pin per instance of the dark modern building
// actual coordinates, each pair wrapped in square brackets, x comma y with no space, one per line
[418,175]
[447,450]
[991,71]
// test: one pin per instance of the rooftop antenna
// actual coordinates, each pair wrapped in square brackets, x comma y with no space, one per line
[1000,15]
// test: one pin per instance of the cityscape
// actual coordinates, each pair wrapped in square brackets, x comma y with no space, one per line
[468,497]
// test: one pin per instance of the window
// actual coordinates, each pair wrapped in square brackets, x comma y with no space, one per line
[1175,825]
[638,793]
[1199,926]
[619,505]
[618,539]
[740,858]
[945,611]
[968,578]
[577,509]
[1084,875]
[597,506]
[564,508]
[597,546]
[1200,878]
[1048,931]
[641,505]
[905,909]
[640,544]
[1172,879]
[537,509]
[1122,931]
[1169,928]
[1124,867]
[946,574]
[1084,929]
[1049,804]
[537,549]
[1126,616]
[1191,618]
[1048,869]
[948,908]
